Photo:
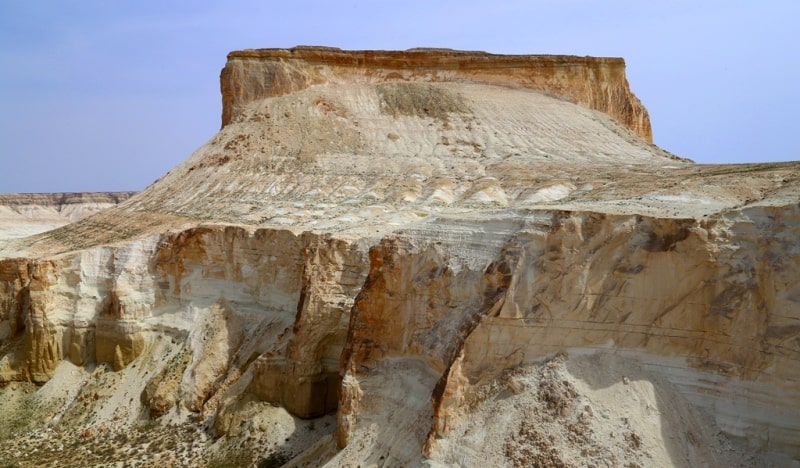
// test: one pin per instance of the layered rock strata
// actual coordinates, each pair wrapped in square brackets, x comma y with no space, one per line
[64,199]
[25,214]
[409,253]
[597,83]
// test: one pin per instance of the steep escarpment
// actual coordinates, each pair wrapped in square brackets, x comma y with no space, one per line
[392,266]
[597,83]
[690,301]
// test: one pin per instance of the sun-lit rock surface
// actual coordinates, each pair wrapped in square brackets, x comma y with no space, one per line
[456,254]
[597,83]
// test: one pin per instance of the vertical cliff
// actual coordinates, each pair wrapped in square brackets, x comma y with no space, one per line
[597,83]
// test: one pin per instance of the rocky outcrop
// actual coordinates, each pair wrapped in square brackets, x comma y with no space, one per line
[597,83]
[716,297]
[86,307]
[441,272]
[702,304]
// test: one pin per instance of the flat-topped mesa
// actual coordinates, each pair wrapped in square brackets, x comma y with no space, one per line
[25,214]
[65,198]
[598,83]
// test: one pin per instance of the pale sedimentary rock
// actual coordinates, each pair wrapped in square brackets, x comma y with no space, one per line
[406,239]
[25,214]
[597,83]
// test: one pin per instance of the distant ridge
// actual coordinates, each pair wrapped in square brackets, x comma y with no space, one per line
[63,198]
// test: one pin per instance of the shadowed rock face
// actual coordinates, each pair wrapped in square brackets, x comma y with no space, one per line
[427,245]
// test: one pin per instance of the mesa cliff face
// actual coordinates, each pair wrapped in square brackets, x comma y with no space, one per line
[597,83]
[461,267]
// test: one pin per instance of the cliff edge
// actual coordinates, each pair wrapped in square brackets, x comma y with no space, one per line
[597,83]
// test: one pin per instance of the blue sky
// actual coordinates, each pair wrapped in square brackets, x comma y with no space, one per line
[100,95]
